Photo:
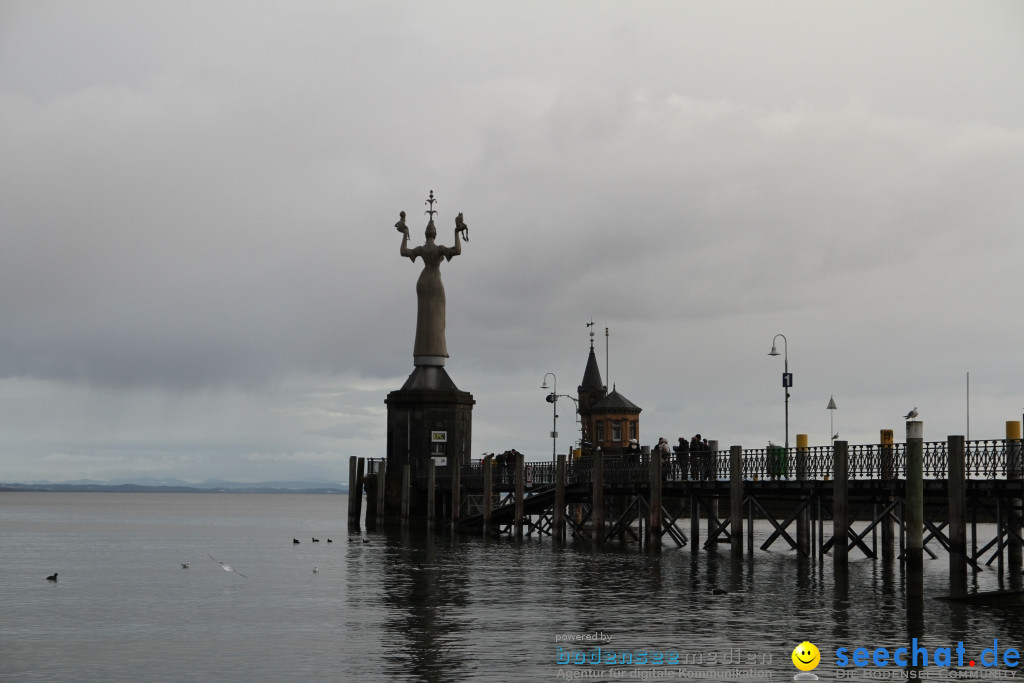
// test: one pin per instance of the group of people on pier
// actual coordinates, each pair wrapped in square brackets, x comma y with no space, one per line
[692,459]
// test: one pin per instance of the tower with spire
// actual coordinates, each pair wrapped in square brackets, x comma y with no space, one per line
[608,419]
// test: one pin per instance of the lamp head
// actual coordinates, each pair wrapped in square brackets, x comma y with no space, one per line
[774,351]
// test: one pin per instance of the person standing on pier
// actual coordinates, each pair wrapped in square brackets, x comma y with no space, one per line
[682,450]
[662,451]
[697,457]
[633,452]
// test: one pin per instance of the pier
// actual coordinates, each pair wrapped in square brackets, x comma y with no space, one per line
[889,500]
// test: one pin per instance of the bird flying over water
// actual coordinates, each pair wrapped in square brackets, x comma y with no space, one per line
[911,415]
[227,567]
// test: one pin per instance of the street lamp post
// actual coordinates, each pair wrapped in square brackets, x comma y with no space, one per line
[787,379]
[552,398]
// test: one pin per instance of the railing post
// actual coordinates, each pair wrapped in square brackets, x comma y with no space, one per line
[914,518]
[840,480]
[803,539]
[736,499]
[1014,513]
[558,518]
[597,517]
[957,520]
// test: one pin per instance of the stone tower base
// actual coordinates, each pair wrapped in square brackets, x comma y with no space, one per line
[427,417]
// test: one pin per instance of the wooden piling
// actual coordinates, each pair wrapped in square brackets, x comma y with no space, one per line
[694,523]
[654,520]
[887,474]
[352,494]
[357,500]
[597,516]
[382,475]
[914,519]
[803,540]
[736,499]
[488,503]
[1014,467]
[431,494]
[957,499]
[711,464]
[520,494]
[558,517]
[840,523]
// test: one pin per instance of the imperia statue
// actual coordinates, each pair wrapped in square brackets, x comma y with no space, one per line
[430,347]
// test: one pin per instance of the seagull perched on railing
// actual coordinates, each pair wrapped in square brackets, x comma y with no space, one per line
[911,415]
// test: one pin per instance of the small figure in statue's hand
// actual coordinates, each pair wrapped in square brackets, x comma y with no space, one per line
[400,225]
[460,225]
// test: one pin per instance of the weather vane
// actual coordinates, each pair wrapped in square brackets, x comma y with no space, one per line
[430,202]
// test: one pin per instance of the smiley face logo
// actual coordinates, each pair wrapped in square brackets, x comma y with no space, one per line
[806,656]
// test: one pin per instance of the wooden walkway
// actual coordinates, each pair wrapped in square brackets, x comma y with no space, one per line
[884,500]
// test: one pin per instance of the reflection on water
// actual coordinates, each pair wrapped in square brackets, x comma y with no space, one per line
[484,609]
[411,606]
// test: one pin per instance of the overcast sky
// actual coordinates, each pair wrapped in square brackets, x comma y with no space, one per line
[199,271]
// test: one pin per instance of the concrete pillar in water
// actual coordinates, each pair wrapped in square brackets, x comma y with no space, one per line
[1013,473]
[654,522]
[736,499]
[520,494]
[803,537]
[558,518]
[488,492]
[431,494]
[597,518]
[957,492]
[840,523]
[887,474]
[914,517]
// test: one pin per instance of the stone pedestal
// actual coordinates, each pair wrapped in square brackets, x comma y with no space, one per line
[427,417]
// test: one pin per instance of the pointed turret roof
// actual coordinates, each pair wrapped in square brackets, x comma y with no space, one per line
[592,375]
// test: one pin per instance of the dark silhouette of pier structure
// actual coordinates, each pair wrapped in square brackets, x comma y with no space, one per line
[890,500]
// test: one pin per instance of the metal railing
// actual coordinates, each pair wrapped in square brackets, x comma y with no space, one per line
[987,459]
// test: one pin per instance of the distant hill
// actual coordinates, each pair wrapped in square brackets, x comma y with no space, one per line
[143,485]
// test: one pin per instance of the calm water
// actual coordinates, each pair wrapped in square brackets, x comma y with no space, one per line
[412,608]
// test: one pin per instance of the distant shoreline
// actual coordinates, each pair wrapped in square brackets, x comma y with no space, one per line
[141,488]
